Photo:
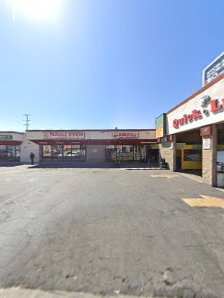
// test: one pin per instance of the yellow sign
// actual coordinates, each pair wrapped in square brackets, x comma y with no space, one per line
[159,132]
[46,135]
[206,201]
[160,125]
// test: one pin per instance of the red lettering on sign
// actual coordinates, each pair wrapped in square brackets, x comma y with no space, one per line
[185,118]
[190,118]
[67,134]
[175,123]
[215,105]
[196,114]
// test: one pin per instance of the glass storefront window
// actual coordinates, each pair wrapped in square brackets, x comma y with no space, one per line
[3,152]
[63,152]
[192,155]
[17,151]
[124,149]
[46,151]
[75,151]
[125,153]
[57,151]
[9,153]
[67,152]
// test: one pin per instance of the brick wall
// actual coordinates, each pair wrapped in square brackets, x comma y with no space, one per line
[167,151]
[209,160]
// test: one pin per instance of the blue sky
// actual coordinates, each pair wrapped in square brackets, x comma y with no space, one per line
[105,63]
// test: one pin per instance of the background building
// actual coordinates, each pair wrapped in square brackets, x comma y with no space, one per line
[96,146]
[10,145]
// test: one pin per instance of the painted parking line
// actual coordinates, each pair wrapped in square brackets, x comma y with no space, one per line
[206,201]
[164,176]
[148,169]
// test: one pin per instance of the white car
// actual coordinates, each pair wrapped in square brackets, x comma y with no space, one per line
[71,154]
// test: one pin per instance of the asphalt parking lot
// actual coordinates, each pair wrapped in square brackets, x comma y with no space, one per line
[110,232]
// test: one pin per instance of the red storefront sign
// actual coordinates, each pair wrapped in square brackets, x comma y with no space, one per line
[215,105]
[126,135]
[195,114]
[206,131]
[64,134]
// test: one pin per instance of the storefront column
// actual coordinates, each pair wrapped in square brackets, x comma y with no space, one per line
[168,152]
[209,152]
[174,154]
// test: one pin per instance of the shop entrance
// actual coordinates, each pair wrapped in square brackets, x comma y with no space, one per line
[126,153]
[152,156]
[120,153]
[189,152]
[59,152]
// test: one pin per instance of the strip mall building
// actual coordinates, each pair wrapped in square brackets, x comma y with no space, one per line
[95,146]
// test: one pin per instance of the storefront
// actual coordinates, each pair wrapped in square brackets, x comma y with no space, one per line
[62,152]
[10,146]
[189,151]
[194,133]
[144,153]
[94,145]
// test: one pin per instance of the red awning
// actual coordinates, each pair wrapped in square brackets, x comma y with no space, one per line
[10,142]
[94,142]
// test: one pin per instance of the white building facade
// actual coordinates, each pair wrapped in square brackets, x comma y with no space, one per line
[194,138]
[81,145]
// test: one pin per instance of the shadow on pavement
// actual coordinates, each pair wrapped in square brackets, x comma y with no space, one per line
[192,172]
[85,165]
[10,164]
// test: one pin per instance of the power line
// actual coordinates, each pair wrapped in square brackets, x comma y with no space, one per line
[27,120]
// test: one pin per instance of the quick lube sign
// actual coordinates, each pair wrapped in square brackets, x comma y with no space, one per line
[213,70]
[211,106]
[201,110]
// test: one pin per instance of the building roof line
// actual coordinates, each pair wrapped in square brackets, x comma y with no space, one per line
[10,131]
[213,82]
[85,130]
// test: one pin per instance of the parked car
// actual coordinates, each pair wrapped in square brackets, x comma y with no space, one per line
[71,154]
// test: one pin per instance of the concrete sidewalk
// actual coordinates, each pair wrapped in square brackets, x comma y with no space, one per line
[83,164]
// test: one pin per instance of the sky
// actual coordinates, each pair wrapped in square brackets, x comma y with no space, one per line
[103,64]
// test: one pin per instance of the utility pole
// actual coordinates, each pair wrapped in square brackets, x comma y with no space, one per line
[27,120]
